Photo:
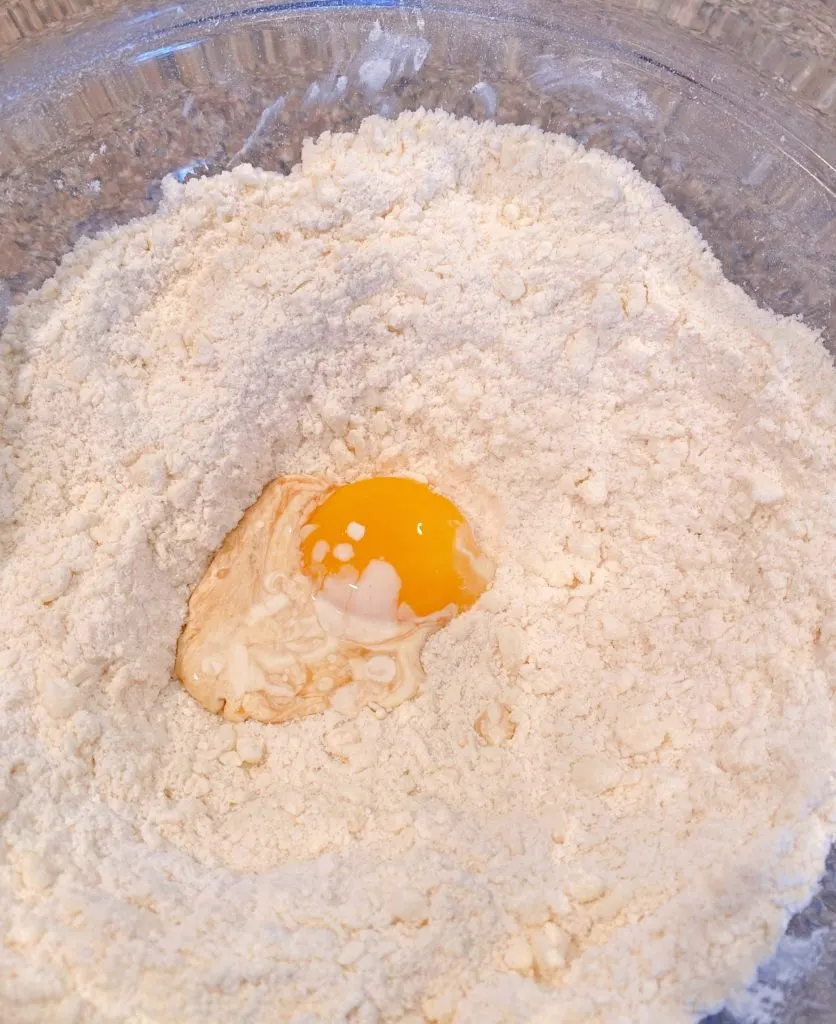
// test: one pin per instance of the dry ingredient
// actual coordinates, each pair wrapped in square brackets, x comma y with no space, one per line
[616,780]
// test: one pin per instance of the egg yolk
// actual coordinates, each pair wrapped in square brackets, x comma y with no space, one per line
[417,532]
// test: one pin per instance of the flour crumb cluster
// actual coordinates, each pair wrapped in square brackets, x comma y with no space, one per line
[615,783]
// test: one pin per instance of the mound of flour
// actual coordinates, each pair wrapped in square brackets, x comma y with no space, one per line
[617,780]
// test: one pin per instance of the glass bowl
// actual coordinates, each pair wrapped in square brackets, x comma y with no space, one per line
[729,107]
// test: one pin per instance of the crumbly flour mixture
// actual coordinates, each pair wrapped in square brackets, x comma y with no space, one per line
[617,778]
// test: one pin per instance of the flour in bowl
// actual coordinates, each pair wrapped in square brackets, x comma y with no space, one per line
[615,782]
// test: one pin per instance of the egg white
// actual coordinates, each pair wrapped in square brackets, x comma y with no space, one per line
[260,642]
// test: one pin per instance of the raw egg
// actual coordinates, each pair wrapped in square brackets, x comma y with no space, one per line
[323,597]
[393,529]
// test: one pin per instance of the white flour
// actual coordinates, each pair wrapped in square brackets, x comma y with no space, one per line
[649,458]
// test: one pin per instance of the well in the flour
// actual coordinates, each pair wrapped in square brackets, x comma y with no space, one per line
[305,608]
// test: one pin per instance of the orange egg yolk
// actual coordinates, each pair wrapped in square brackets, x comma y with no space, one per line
[399,521]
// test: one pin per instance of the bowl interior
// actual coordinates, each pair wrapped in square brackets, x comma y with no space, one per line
[92,121]
[99,103]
